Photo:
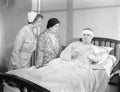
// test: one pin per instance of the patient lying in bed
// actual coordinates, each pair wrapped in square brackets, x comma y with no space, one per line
[80,68]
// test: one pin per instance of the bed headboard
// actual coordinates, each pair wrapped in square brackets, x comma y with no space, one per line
[115,44]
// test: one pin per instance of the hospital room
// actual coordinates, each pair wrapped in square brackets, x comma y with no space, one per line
[59,45]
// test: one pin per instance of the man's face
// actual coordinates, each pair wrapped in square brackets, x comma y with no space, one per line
[87,36]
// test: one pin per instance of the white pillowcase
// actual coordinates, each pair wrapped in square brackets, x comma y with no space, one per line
[104,49]
[103,52]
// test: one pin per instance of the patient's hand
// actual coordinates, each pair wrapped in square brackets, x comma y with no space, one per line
[75,54]
[93,58]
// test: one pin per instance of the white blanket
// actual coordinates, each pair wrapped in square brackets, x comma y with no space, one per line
[72,72]
[62,76]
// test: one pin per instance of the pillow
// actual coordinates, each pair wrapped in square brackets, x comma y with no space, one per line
[103,52]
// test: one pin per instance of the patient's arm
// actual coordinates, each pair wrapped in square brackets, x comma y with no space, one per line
[107,64]
[70,52]
[66,54]
[93,58]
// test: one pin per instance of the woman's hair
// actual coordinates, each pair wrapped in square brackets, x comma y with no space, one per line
[52,22]
[36,19]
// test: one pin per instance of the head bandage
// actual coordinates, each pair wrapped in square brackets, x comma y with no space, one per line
[88,32]
[31,16]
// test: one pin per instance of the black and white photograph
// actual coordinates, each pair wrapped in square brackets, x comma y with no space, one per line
[59,45]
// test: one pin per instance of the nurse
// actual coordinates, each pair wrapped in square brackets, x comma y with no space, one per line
[25,42]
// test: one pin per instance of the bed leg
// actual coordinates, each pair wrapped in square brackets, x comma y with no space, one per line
[21,89]
[1,85]
[28,90]
[119,85]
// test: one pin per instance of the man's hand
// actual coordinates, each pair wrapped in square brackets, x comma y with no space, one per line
[75,54]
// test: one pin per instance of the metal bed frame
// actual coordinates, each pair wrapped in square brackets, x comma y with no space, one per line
[22,84]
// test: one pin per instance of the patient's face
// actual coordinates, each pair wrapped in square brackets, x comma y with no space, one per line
[87,36]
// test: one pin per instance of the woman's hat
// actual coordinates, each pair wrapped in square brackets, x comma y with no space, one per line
[52,22]
[31,16]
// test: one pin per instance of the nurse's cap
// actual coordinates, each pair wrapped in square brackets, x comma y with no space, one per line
[31,16]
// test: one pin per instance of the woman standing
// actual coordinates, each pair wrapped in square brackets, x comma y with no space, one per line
[49,43]
[25,42]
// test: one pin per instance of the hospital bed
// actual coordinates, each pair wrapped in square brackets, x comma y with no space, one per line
[114,80]
[23,84]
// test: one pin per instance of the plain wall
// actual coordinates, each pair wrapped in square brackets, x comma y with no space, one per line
[100,15]
[104,22]
[1,37]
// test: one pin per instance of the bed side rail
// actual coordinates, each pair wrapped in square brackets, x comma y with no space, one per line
[21,83]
